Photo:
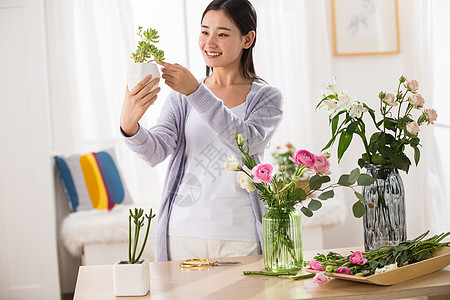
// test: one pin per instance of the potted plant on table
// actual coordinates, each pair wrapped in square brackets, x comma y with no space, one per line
[143,64]
[282,240]
[132,277]
[384,221]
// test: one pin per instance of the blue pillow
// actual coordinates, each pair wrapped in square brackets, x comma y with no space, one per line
[92,181]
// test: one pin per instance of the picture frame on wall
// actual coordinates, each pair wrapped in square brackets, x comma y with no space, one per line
[365,27]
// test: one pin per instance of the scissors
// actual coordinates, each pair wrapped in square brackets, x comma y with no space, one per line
[201,262]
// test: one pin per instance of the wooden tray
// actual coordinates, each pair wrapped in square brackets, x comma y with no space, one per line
[440,260]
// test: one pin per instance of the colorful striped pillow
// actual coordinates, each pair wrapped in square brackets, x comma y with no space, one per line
[92,181]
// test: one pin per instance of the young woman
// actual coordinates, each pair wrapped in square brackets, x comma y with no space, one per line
[204,212]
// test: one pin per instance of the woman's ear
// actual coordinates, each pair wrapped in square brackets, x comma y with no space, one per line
[249,38]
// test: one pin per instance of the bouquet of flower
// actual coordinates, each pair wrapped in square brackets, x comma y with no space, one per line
[379,260]
[281,156]
[395,130]
[281,193]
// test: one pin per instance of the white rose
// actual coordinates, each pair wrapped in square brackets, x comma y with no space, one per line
[413,128]
[245,182]
[231,164]
[389,99]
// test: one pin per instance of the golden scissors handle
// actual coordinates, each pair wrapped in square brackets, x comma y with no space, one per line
[195,262]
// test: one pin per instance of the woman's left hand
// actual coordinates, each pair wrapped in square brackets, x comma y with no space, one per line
[179,78]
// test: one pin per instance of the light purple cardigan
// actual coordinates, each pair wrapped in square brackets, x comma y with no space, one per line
[262,117]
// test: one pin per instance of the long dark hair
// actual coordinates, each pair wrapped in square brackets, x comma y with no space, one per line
[242,13]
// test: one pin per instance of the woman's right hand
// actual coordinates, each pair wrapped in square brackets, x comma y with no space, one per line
[136,103]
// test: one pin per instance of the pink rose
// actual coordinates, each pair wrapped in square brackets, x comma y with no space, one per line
[413,128]
[417,100]
[315,265]
[304,157]
[262,173]
[389,99]
[431,115]
[413,85]
[344,270]
[320,278]
[322,165]
[358,259]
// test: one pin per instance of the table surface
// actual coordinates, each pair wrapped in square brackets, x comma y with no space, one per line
[169,281]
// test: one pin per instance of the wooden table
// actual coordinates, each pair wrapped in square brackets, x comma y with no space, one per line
[169,281]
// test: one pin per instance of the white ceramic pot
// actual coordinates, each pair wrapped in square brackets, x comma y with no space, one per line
[137,71]
[131,279]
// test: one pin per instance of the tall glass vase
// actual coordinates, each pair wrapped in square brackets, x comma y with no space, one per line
[384,223]
[282,241]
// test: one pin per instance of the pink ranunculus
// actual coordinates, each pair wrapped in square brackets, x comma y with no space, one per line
[431,115]
[315,265]
[413,85]
[417,100]
[344,270]
[262,173]
[322,165]
[304,157]
[358,259]
[413,128]
[321,279]
[389,99]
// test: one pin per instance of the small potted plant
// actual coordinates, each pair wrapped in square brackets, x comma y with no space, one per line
[144,56]
[132,277]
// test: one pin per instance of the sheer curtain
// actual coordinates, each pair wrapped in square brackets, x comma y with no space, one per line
[439,180]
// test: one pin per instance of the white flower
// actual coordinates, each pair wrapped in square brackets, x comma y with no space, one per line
[345,101]
[357,110]
[330,106]
[330,88]
[245,182]
[231,164]
[386,268]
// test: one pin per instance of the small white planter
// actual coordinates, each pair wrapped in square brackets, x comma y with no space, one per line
[131,279]
[137,71]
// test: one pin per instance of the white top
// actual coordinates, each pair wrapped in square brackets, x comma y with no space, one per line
[210,203]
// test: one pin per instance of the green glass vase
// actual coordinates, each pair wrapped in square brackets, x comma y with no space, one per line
[282,241]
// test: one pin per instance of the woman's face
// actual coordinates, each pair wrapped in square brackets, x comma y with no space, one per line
[220,40]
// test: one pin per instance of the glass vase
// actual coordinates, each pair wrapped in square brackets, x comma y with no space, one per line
[282,241]
[384,223]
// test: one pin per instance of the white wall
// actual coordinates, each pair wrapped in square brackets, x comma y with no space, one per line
[365,77]
[27,214]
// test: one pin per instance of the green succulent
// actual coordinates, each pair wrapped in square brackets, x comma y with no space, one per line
[146,49]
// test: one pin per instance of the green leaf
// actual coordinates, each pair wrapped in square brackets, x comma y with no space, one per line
[306,211]
[386,152]
[360,197]
[377,159]
[365,180]
[416,155]
[343,180]
[358,209]
[326,195]
[314,205]
[334,124]
[316,181]
[354,174]
[299,194]
[344,142]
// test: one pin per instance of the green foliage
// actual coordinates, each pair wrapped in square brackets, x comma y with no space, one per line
[281,156]
[405,253]
[146,49]
[138,219]
[283,193]
[387,145]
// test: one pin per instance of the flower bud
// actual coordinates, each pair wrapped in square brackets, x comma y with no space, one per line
[282,169]
[327,154]
[240,140]
[329,268]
